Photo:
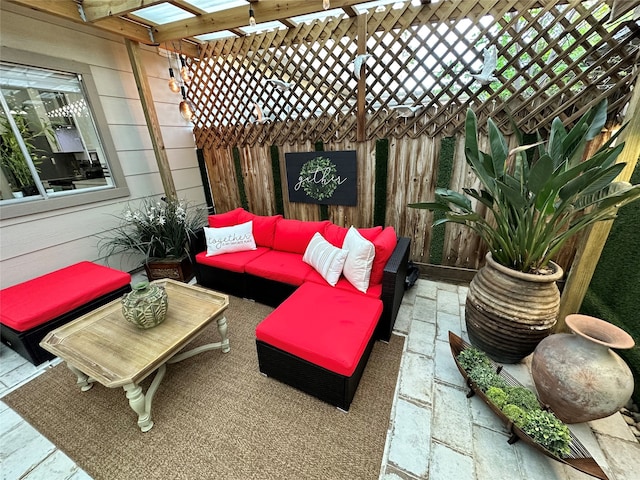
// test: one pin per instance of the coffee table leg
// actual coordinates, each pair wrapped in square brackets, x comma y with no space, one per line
[222,328]
[138,404]
[84,382]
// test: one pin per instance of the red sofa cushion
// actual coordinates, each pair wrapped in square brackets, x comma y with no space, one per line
[234,262]
[284,267]
[384,243]
[264,227]
[44,298]
[335,234]
[226,219]
[333,336]
[294,235]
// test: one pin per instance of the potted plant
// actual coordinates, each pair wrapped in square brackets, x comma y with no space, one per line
[539,196]
[160,232]
[12,159]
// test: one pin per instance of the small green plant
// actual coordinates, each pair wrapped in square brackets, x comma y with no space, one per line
[515,414]
[547,430]
[497,396]
[486,377]
[522,397]
[470,357]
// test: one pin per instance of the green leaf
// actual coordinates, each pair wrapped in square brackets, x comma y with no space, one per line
[540,174]
[598,116]
[555,147]
[499,149]
[450,196]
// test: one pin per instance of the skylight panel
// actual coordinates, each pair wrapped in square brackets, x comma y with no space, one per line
[336,12]
[207,37]
[261,27]
[163,13]
[210,6]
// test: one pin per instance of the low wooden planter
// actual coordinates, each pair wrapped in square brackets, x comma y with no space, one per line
[176,269]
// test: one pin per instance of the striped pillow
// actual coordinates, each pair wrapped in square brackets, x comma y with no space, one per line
[325,258]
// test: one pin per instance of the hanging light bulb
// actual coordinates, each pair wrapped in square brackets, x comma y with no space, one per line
[174,86]
[252,18]
[184,71]
[326,4]
[187,110]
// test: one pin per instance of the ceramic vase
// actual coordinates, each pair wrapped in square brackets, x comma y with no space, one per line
[578,375]
[146,305]
[508,313]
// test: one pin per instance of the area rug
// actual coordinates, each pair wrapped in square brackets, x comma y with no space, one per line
[217,417]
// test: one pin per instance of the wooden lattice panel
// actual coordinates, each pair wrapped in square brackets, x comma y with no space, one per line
[553,59]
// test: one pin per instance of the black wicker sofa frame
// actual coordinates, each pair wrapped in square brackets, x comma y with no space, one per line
[273,293]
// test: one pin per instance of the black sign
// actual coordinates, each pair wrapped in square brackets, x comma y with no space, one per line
[328,178]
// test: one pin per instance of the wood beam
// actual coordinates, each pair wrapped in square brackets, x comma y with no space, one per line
[591,246]
[265,11]
[99,9]
[68,10]
[149,108]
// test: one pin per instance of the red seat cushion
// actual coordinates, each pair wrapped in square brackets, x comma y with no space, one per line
[384,244]
[234,262]
[326,326]
[282,267]
[44,298]
[294,235]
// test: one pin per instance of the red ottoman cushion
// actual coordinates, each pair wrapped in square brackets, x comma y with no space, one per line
[326,326]
[44,298]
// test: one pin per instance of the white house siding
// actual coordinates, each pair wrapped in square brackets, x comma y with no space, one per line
[36,244]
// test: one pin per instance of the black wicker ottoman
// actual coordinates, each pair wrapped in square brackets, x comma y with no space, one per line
[319,341]
[33,308]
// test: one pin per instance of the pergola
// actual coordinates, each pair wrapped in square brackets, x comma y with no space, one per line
[190,24]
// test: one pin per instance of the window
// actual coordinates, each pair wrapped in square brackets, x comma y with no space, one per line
[53,154]
[48,140]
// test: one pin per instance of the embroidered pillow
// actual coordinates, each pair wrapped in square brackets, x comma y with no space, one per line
[325,258]
[357,266]
[237,238]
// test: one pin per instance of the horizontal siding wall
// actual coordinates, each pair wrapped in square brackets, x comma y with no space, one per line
[35,244]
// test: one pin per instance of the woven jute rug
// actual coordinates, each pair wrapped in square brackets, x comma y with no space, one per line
[217,417]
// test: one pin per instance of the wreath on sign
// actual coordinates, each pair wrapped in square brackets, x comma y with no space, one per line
[320,178]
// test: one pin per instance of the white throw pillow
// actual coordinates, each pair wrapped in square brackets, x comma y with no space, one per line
[357,266]
[325,258]
[229,239]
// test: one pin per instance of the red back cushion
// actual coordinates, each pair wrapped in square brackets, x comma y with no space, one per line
[335,234]
[385,243]
[227,219]
[263,227]
[294,235]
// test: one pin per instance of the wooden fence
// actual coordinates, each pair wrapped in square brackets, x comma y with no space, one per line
[552,59]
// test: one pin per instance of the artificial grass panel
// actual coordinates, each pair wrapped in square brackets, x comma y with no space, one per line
[240,178]
[380,189]
[324,209]
[445,171]
[277,180]
[615,287]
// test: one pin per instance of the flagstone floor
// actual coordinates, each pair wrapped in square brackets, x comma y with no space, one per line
[435,432]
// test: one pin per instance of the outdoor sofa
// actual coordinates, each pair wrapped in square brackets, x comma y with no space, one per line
[319,337]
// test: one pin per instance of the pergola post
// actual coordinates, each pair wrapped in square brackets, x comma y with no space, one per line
[591,246]
[133,49]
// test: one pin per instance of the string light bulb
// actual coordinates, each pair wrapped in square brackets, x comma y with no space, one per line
[252,18]
[326,4]
[184,71]
[174,86]
[187,110]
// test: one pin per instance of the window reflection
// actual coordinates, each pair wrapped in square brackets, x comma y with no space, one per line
[57,151]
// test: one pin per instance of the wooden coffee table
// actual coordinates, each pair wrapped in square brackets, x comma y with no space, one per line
[102,346]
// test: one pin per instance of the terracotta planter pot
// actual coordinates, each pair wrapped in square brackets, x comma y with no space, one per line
[578,376]
[508,312]
[174,268]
